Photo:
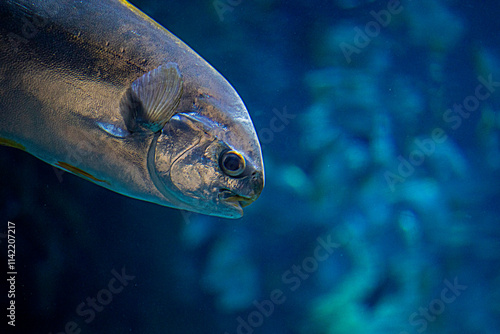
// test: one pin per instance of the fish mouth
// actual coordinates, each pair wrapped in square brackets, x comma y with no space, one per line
[237,201]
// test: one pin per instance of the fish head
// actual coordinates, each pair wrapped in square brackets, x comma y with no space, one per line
[207,158]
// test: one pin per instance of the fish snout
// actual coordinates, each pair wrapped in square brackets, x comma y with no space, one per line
[256,184]
[244,198]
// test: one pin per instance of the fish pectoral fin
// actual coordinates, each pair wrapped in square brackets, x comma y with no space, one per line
[152,99]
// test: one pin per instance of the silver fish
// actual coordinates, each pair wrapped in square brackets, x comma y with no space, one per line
[100,90]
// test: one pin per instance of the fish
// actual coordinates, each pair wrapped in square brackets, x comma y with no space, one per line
[100,90]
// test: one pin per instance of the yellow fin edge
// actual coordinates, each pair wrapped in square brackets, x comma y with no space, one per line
[11,143]
[79,172]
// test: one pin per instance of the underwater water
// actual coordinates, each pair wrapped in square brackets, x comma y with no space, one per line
[380,128]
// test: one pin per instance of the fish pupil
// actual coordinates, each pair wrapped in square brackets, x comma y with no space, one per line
[232,162]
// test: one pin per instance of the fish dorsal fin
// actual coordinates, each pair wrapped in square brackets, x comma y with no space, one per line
[152,99]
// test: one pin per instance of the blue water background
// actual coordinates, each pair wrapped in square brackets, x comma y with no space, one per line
[381,207]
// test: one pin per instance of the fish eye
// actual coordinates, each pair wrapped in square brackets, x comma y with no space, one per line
[232,163]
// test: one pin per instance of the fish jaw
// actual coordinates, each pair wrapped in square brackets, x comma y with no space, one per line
[240,201]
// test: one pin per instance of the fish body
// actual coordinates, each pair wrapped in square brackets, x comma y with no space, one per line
[100,90]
